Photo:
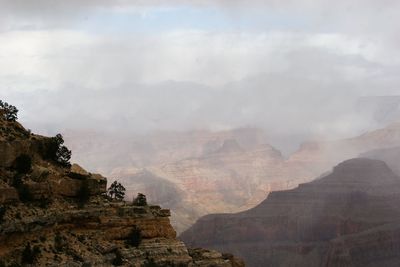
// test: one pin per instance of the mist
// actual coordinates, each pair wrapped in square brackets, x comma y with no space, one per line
[291,69]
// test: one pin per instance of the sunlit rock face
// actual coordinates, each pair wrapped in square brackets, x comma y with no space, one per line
[350,217]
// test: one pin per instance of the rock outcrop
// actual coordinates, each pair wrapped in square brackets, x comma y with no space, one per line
[53,214]
[350,217]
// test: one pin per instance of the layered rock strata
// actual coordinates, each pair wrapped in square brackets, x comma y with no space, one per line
[350,217]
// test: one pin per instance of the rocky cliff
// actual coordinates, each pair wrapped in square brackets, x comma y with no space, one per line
[350,217]
[54,214]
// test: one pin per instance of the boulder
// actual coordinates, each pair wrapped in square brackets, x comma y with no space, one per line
[97,184]
[67,186]
[78,172]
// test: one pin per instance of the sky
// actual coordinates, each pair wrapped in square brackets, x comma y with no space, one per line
[293,68]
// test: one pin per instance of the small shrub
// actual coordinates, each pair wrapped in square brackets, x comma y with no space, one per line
[30,255]
[116,191]
[24,193]
[44,202]
[23,164]
[118,260]
[140,200]
[135,237]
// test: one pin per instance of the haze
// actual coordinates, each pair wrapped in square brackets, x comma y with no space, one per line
[297,69]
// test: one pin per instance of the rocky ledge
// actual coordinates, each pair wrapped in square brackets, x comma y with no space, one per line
[100,234]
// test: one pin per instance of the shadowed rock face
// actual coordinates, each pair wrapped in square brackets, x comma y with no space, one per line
[343,217]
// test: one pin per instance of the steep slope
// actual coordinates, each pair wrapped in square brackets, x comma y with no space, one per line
[54,214]
[350,217]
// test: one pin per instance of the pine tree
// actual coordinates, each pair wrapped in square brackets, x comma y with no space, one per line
[116,191]
[9,112]
[140,200]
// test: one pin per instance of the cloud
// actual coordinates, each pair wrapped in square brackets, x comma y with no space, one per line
[52,59]
[273,64]
[304,91]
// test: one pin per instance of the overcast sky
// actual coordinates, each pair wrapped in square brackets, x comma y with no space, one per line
[291,67]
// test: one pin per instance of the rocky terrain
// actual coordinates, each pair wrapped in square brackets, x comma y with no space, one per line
[350,217]
[55,214]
